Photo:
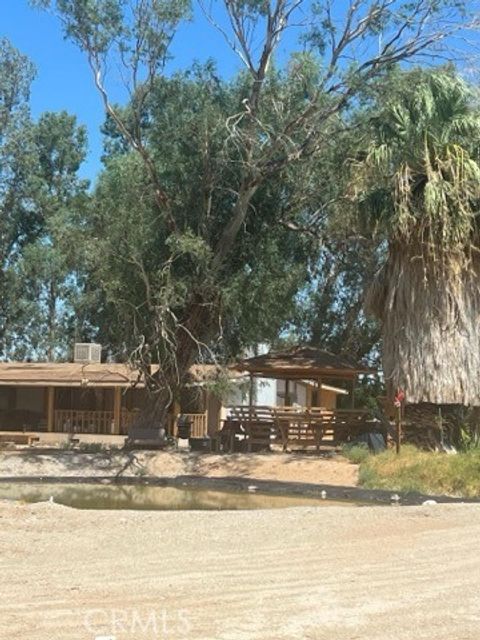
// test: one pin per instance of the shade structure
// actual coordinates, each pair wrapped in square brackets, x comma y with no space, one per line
[303,362]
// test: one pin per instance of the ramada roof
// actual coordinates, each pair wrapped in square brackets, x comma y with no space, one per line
[304,363]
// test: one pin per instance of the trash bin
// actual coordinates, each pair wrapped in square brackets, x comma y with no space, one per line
[184,427]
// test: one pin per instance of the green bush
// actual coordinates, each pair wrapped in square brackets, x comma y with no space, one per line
[356,453]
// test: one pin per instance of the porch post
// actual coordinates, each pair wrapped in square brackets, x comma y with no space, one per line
[50,408]
[308,390]
[287,393]
[352,401]
[319,392]
[117,409]
[251,391]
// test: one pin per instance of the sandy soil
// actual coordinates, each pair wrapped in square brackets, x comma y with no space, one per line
[272,466]
[381,573]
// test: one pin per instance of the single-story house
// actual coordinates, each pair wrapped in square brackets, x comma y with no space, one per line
[103,398]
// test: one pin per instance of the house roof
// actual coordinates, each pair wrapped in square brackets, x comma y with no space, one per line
[303,362]
[67,374]
[74,374]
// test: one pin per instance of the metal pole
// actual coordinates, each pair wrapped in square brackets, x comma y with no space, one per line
[250,412]
[399,402]
[398,430]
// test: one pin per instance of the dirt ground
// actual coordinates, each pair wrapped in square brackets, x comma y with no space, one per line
[271,466]
[399,573]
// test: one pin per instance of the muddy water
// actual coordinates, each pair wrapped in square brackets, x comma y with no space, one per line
[141,497]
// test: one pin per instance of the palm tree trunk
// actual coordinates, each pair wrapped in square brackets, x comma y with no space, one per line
[429,311]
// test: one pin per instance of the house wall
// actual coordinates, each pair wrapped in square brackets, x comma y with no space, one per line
[269,392]
[266,392]
[296,390]
[305,395]
[329,399]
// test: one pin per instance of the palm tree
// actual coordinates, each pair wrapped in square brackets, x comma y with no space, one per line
[418,186]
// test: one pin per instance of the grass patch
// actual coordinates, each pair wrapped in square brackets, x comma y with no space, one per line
[356,453]
[416,470]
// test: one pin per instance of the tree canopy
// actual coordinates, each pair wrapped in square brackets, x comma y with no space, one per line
[40,199]
[233,211]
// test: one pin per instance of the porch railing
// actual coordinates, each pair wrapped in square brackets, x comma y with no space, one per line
[199,422]
[101,422]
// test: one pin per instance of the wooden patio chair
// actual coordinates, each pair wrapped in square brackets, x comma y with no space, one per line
[231,427]
[297,428]
[260,428]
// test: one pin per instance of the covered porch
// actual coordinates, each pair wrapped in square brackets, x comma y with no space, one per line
[68,398]
[318,420]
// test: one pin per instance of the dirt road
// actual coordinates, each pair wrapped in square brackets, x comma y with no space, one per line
[320,573]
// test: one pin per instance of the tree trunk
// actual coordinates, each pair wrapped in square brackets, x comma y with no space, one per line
[173,372]
[429,312]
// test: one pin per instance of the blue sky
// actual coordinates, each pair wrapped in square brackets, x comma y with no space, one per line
[63,79]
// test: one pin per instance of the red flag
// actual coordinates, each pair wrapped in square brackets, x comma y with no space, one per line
[399,398]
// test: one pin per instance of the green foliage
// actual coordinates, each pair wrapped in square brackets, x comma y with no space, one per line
[142,265]
[419,178]
[357,453]
[139,32]
[19,222]
[330,310]
[40,202]
[469,440]
[430,473]
[214,192]
[49,272]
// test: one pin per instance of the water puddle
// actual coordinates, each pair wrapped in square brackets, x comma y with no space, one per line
[142,497]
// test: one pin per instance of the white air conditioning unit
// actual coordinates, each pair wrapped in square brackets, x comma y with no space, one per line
[86,352]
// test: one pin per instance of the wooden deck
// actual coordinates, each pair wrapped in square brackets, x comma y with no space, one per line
[293,428]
